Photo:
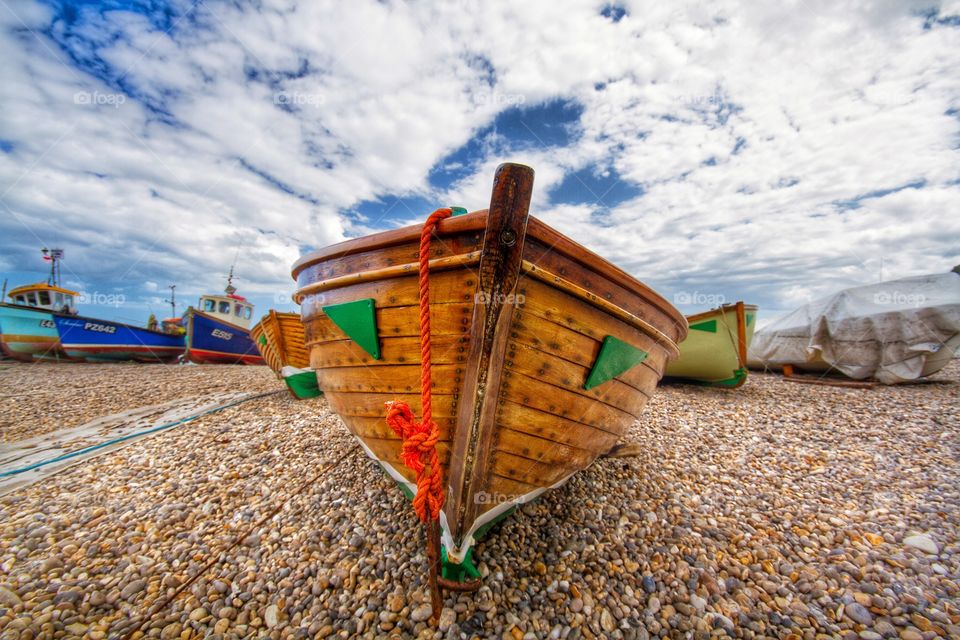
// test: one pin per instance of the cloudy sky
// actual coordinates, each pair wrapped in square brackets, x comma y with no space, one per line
[770,152]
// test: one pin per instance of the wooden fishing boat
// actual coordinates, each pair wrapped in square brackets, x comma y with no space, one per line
[543,353]
[279,337]
[715,351]
[218,332]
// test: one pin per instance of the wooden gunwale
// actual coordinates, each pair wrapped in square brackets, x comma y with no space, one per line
[473,221]
[593,262]
[476,221]
[704,315]
[397,271]
[473,257]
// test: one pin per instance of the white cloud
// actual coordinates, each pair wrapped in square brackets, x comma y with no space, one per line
[823,103]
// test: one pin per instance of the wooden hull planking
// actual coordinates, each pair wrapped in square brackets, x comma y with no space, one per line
[519,314]
[279,336]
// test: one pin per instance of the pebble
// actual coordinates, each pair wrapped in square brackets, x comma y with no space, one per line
[858,613]
[9,598]
[133,589]
[447,617]
[923,542]
[793,522]
[271,616]
[421,613]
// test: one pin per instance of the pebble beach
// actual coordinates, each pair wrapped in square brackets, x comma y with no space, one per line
[777,510]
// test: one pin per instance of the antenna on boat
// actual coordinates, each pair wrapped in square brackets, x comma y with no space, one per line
[173,300]
[53,256]
[230,288]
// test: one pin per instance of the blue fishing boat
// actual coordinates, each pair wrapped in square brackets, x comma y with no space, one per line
[96,340]
[219,331]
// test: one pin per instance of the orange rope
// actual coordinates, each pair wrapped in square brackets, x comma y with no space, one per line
[420,438]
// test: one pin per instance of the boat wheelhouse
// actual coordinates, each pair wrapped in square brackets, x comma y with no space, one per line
[45,296]
[229,308]
[218,331]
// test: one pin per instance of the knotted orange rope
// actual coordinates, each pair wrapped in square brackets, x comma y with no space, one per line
[420,438]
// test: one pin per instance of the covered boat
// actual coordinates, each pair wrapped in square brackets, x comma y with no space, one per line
[279,337]
[715,351]
[543,353]
[891,332]
[218,332]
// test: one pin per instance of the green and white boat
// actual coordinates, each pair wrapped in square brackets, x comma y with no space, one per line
[715,351]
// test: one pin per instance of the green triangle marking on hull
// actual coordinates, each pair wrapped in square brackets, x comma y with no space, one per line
[615,357]
[709,325]
[304,385]
[358,320]
[749,318]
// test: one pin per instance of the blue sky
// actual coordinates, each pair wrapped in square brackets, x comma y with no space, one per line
[717,151]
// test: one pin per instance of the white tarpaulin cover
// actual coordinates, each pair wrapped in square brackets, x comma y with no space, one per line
[891,331]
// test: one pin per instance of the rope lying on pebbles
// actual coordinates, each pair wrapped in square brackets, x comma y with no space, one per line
[46,397]
[139,434]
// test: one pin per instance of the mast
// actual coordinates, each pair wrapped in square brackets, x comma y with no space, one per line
[172,300]
[230,288]
[53,256]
